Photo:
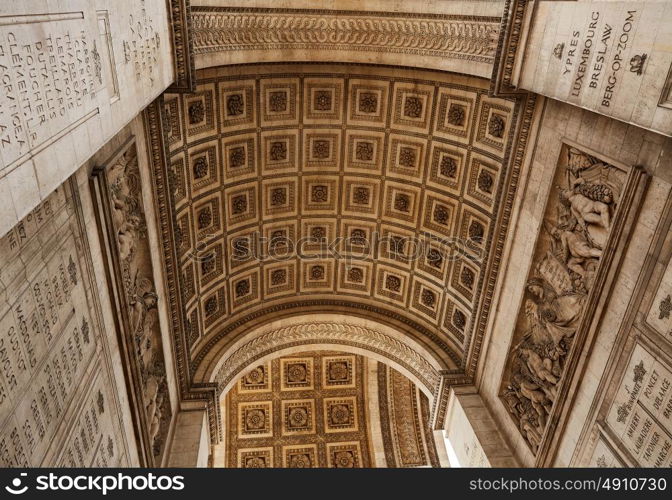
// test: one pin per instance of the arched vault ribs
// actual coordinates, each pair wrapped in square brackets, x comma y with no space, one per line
[397,213]
[325,332]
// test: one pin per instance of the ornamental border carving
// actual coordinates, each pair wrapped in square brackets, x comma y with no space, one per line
[326,305]
[311,332]
[469,38]
[183,47]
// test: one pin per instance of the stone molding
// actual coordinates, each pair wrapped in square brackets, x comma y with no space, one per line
[510,46]
[470,38]
[310,332]
[183,48]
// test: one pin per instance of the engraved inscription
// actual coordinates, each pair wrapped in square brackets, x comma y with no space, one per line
[142,48]
[48,342]
[641,413]
[47,83]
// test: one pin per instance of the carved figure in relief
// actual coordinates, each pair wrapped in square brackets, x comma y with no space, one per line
[585,210]
[142,302]
[575,249]
[153,403]
[557,315]
[567,260]
[531,431]
[534,393]
[129,226]
[541,367]
[599,183]
[126,217]
[528,419]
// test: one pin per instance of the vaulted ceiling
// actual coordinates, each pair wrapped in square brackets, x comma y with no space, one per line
[326,409]
[381,192]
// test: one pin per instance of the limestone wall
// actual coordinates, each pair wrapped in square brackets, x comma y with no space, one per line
[59,389]
[72,75]
[63,392]
[625,145]
[473,433]
[611,57]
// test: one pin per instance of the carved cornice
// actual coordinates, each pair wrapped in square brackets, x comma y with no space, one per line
[469,38]
[515,157]
[154,133]
[327,332]
[326,305]
[183,50]
[509,46]
[437,416]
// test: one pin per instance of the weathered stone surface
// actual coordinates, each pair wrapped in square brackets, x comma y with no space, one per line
[56,361]
[72,77]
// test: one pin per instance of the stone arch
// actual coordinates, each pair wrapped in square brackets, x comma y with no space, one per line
[323,332]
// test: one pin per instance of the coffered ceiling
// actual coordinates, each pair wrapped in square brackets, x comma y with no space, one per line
[383,193]
[326,409]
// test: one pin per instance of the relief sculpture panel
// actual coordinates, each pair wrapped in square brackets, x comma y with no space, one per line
[119,195]
[566,277]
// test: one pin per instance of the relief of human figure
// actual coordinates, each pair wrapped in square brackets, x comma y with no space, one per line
[126,238]
[585,210]
[532,432]
[153,402]
[528,419]
[126,220]
[541,367]
[142,299]
[534,393]
[556,294]
[558,314]
[144,340]
[576,251]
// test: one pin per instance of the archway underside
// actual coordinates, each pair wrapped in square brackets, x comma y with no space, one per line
[325,408]
[376,192]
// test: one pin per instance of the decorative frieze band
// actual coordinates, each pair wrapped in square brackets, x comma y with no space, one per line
[183,51]
[458,37]
[331,333]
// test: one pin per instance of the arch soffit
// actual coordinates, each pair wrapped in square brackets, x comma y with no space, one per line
[323,332]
